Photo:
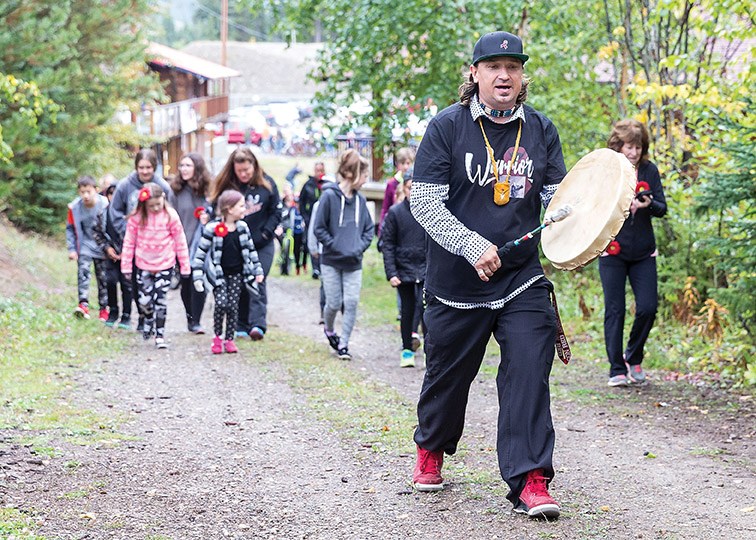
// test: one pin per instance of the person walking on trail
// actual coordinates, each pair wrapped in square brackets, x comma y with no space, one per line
[403,161]
[308,196]
[243,173]
[345,229]
[190,188]
[232,263]
[153,242]
[404,261]
[632,256]
[85,214]
[485,167]
[125,202]
[111,244]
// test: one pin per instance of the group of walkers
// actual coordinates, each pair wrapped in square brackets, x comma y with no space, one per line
[439,233]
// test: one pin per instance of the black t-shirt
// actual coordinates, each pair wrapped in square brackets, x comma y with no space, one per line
[264,209]
[231,258]
[453,152]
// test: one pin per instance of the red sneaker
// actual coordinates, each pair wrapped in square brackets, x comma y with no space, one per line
[427,475]
[230,346]
[535,500]
[82,311]
[103,314]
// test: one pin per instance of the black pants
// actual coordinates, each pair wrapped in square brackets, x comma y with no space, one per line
[300,251]
[194,302]
[411,308]
[614,273]
[455,343]
[114,278]
[253,310]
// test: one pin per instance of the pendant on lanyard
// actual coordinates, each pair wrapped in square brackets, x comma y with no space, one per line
[501,186]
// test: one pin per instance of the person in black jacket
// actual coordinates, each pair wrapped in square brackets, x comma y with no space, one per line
[308,196]
[403,242]
[243,173]
[632,255]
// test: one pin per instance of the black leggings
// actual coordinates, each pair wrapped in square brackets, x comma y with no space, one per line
[194,302]
[412,309]
[227,305]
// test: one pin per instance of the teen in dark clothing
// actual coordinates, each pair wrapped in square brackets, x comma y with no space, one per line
[243,173]
[484,169]
[632,257]
[190,188]
[308,196]
[404,242]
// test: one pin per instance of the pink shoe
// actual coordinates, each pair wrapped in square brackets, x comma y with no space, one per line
[230,346]
[217,346]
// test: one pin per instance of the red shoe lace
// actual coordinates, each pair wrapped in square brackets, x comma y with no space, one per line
[537,482]
[432,459]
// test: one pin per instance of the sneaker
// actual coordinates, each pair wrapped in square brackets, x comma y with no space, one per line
[112,318]
[618,380]
[104,315]
[82,310]
[217,346]
[256,334]
[195,328]
[241,333]
[333,339]
[535,500]
[408,359]
[160,343]
[636,374]
[125,323]
[416,343]
[427,475]
[344,354]
[230,347]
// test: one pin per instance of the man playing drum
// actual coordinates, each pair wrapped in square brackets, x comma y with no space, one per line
[483,169]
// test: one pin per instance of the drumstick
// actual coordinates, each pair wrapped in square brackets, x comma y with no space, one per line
[557,215]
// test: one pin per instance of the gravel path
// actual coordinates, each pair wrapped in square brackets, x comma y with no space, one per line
[226,449]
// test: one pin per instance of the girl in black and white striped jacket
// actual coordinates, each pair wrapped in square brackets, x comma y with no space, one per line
[233,262]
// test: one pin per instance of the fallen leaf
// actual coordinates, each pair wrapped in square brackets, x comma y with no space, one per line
[748,509]
[605,509]
[88,515]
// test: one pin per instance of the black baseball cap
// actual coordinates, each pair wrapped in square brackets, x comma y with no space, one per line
[498,44]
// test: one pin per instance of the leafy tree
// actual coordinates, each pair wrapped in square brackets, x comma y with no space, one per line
[88,57]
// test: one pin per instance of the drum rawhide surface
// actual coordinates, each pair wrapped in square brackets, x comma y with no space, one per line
[599,189]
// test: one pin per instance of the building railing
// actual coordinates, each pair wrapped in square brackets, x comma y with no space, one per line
[174,119]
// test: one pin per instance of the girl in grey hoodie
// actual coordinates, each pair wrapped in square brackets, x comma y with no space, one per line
[344,227]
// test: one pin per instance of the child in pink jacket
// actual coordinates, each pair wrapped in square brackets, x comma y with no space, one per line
[154,240]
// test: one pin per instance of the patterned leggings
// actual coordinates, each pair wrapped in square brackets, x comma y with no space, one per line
[227,305]
[152,298]
[85,275]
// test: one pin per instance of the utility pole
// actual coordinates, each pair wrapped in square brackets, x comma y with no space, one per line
[224,38]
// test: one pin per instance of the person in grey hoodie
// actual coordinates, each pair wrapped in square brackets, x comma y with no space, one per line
[125,199]
[344,227]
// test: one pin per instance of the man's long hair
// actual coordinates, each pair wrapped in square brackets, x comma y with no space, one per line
[469,88]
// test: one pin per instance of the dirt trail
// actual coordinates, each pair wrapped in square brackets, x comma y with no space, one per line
[222,449]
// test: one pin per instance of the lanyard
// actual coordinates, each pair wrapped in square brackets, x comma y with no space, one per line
[501,189]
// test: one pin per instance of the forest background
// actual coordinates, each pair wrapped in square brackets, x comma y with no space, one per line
[685,68]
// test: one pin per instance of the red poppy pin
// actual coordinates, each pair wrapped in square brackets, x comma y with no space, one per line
[642,186]
[613,248]
[199,211]
[221,230]
[145,194]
